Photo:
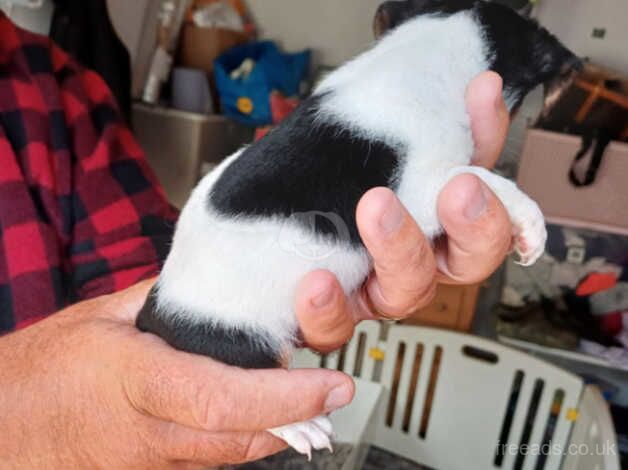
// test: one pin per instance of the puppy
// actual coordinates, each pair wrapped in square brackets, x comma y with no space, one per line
[394,116]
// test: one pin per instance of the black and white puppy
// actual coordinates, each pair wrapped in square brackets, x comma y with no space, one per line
[394,116]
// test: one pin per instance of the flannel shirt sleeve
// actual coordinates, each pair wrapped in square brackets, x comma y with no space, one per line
[119,219]
[81,213]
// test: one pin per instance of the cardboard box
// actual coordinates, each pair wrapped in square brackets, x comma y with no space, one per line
[453,308]
[201,46]
[544,175]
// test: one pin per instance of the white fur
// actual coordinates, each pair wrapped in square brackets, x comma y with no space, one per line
[244,273]
[410,89]
[303,437]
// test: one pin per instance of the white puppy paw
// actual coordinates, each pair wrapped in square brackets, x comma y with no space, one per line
[530,232]
[303,437]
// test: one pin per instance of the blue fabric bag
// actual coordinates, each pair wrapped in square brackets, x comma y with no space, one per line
[247,100]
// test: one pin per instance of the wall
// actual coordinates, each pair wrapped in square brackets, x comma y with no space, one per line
[335,30]
[128,19]
[135,22]
[573,22]
[37,20]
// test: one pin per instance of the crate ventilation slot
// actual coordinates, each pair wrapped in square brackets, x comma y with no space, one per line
[413,387]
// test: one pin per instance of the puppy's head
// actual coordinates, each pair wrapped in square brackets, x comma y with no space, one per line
[518,48]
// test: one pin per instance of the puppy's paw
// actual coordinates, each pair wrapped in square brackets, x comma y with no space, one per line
[303,437]
[530,232]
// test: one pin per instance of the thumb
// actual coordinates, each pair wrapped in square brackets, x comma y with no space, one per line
[489,117]
[200,393]
[479,232]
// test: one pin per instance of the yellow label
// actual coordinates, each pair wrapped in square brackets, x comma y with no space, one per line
[245,105]
[572,414]
[377,354]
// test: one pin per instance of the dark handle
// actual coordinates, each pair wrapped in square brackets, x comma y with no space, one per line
[600,139]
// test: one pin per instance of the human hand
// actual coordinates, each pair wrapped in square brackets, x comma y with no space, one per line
[85,389]
[406,267]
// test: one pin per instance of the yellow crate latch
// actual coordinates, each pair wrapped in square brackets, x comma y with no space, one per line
[377,354]
[572,414]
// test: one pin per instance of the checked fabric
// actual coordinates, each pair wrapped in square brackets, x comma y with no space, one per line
[81,213]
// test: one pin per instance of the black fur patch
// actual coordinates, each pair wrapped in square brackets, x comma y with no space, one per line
[521,51]
[233,347]
[304,167]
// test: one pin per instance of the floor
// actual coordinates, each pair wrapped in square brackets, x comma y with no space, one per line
[377,459]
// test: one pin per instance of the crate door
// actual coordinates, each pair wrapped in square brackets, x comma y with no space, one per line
[460,402]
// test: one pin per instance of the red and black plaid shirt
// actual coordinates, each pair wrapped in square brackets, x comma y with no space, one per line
[81,213]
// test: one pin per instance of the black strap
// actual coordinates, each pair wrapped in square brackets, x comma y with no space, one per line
[601,139]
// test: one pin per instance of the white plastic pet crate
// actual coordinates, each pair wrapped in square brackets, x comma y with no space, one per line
[453,401]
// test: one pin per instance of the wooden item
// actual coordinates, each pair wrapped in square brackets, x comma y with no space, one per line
[595,99]
[597,91]
[453,308]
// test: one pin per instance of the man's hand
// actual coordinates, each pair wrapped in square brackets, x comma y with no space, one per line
[86,389]
[407,269]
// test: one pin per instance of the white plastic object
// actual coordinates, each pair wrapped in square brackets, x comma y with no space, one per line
[470,401]
[470,385]
[593,444]
[218,15]
[159,70]
[355,424]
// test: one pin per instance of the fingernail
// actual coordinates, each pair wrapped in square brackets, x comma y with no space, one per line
[392,217]
[323,296]
[476,205]
[339,397]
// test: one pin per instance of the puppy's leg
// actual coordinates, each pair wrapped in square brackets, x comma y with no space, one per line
[529,224]
[303,437]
